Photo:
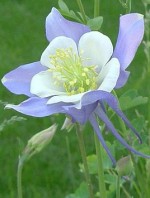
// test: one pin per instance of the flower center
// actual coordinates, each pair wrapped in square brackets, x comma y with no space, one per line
[69,70]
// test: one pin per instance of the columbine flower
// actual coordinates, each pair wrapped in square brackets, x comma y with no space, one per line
[77,72]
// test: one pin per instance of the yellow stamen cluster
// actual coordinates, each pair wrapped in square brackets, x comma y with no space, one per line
[69,70]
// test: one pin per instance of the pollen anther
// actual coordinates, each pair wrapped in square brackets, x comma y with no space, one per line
[73,74]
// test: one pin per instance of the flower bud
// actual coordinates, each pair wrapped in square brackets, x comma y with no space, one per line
[68,125]
[147,1]
[124,166]
[39,141]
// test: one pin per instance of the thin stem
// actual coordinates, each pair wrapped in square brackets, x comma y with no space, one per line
[19,178]
[80,5]
[126,5]
[70,161]
[147,49]
[128,9]
[126,192]
[101,179]
[138,175]
[118,186]
[96,8]
[84,159]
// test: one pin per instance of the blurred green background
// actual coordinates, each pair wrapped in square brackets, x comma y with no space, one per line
[22,40]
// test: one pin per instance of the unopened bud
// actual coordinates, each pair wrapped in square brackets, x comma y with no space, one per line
[146,1]
[68,125]
[39,141]
[124,166]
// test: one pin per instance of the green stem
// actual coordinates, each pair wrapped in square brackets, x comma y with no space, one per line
[128,9]
[84,159]
[118,186]
[80,5]
[123,127]
[126,5]
[19,178]
[139,177]
[147,49]
[70,161]
[101,179]
[96,8]
[126,192]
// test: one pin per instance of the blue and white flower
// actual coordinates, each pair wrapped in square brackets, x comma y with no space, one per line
[77,72]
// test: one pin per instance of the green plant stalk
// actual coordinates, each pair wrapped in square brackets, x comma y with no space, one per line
[84,159]
[96,8]
[126,192]
[137,189]
[19,178]
[128,9]
[123,127]
[70,161]
[126,5]
[147,49]
[118,186]
[139,177]
[101,179]
[80,5]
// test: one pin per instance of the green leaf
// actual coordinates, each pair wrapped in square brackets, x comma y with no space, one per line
[139,123]
[64,10]
[81,192]
[110,178]
[71,196]
[71,15]
[131,99]
[96,23]
[63,6]
[112,191]
[81,17]
[107,163]
[93,164]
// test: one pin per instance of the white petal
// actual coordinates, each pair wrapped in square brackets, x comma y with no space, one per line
[95,48]
[109,75]
[42,85]
[68,99]
[60,42]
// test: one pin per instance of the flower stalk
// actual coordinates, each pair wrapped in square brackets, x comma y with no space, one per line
[96,8]
[118,186]
[71,173]
[101,179]
[84,159]
[147,47]
[19,175]
[80,5]
[36,144]
[126,4]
